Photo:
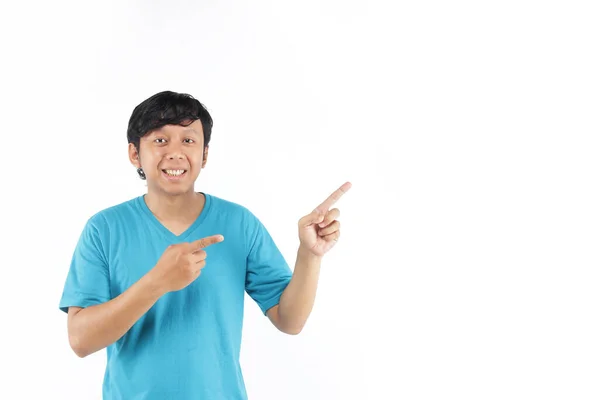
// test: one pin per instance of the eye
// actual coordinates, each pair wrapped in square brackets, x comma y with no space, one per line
[158,140]
[188,140]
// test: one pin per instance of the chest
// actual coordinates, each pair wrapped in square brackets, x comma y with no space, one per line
[176,227]
[135,251]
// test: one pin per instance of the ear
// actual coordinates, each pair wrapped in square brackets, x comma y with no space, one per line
[205,157]
[134,156]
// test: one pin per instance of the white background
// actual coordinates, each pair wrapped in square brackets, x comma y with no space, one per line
[468,266]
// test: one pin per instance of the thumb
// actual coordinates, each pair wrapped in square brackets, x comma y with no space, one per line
[315,217]
[205,242]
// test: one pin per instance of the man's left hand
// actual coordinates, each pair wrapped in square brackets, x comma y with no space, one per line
[319,231]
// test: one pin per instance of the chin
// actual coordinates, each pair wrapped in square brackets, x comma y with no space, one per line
[177,191]
[170,189]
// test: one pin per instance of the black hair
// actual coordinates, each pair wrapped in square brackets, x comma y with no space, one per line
[166,108]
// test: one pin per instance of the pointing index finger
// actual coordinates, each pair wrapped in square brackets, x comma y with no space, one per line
[334,197]
[207,241]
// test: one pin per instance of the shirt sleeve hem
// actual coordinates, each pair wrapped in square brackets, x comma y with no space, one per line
[79,300]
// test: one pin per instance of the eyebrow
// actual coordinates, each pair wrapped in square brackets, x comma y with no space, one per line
[192,130]
[158,131]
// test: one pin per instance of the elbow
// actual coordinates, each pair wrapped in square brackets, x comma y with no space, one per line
[292,330]
[286,323]
[74,334]
[80,354]
[77,347]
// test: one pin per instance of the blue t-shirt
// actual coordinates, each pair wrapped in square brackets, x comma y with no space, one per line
[187,346]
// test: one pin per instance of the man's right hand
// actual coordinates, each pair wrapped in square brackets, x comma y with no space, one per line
[182,263]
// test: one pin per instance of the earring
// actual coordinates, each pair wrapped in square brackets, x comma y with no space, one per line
[141,173]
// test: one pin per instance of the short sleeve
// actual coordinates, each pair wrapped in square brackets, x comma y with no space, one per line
[267,272]
[87,282]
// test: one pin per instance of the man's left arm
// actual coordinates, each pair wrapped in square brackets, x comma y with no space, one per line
[318,232]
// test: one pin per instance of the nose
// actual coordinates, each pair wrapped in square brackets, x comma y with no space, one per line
[175,152]
[175,156]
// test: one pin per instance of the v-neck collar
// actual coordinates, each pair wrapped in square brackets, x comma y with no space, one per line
[170,236]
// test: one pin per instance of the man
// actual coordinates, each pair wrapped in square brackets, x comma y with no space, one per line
[138,286]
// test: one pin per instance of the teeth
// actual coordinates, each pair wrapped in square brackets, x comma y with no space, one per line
[174,172]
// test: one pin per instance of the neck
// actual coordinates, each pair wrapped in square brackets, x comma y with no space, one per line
[174,207]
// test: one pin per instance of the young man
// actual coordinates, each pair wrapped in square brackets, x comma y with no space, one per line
[159,280]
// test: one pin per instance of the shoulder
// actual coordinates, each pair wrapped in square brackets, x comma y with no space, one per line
[116,214]
[230,208]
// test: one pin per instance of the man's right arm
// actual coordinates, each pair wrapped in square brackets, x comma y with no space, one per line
[96,327]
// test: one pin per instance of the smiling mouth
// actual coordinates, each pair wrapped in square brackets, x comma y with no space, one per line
[174,173]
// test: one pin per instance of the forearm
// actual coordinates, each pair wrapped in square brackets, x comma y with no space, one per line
[298,298]
[96,327]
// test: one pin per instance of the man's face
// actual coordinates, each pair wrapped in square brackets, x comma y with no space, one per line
[171,157]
